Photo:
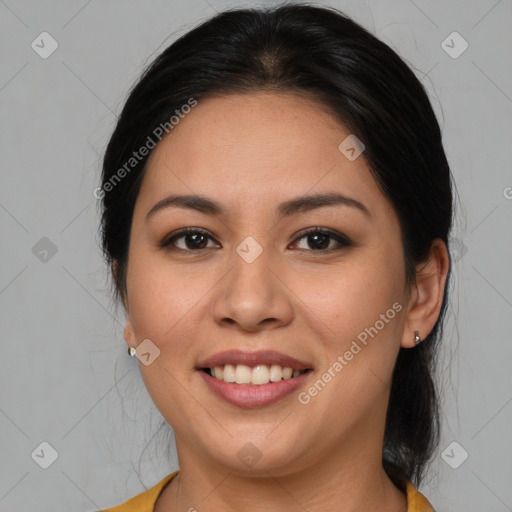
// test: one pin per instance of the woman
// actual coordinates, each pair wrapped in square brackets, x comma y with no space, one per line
[276,211]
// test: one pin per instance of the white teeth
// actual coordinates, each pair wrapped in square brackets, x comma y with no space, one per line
[258,375]
[242,374]
[229,373]
[276,373]
[287,373]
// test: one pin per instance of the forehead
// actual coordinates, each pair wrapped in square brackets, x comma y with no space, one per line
[257,149]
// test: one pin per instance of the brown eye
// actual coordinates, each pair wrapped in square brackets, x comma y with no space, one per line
[321,240]
[193,239]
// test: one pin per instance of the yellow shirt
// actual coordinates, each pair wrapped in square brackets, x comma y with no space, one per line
[145,502]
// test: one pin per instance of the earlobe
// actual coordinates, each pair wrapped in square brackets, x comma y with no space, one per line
[427,296]
[129,335]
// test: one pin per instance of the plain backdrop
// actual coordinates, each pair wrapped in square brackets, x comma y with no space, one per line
[65,377]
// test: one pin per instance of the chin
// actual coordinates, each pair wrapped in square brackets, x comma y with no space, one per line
[256,455]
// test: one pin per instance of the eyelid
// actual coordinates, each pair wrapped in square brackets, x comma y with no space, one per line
[342,240]
[167,241]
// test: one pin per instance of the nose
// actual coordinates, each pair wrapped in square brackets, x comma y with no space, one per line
[254,295]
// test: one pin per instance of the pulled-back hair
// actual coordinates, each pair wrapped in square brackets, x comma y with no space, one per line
[321,54]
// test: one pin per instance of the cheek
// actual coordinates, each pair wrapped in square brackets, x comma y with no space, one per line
[165,304]
[359,310]
[345,299]
[162,296]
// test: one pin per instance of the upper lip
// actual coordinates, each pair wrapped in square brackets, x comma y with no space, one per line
[267,357]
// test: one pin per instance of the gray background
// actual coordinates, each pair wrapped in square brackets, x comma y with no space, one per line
[65,377]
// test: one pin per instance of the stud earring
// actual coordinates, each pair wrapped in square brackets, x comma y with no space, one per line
[131,351]
[417,338]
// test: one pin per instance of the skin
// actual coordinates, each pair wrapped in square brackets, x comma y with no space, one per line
[250,153]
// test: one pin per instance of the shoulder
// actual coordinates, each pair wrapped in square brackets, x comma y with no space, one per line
[145,501]
[416,502]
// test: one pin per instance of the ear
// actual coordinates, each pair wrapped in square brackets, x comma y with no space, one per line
[426,296]
[129,334]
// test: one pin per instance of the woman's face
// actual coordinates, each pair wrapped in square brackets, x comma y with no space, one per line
[253,282]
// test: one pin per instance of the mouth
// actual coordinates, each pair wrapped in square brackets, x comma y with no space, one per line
[253,379]
[258,375]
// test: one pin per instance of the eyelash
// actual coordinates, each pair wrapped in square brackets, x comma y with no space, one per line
[342,240]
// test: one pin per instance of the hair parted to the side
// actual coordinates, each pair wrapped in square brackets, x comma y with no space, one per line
[323,55]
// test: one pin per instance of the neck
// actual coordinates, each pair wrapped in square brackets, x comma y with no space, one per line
[348,480]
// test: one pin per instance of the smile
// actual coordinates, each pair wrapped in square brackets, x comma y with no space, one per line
[253,379]
[258,375]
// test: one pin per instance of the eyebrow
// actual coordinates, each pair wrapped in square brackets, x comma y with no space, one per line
[288,208]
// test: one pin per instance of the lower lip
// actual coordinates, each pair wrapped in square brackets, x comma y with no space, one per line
[251,396]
